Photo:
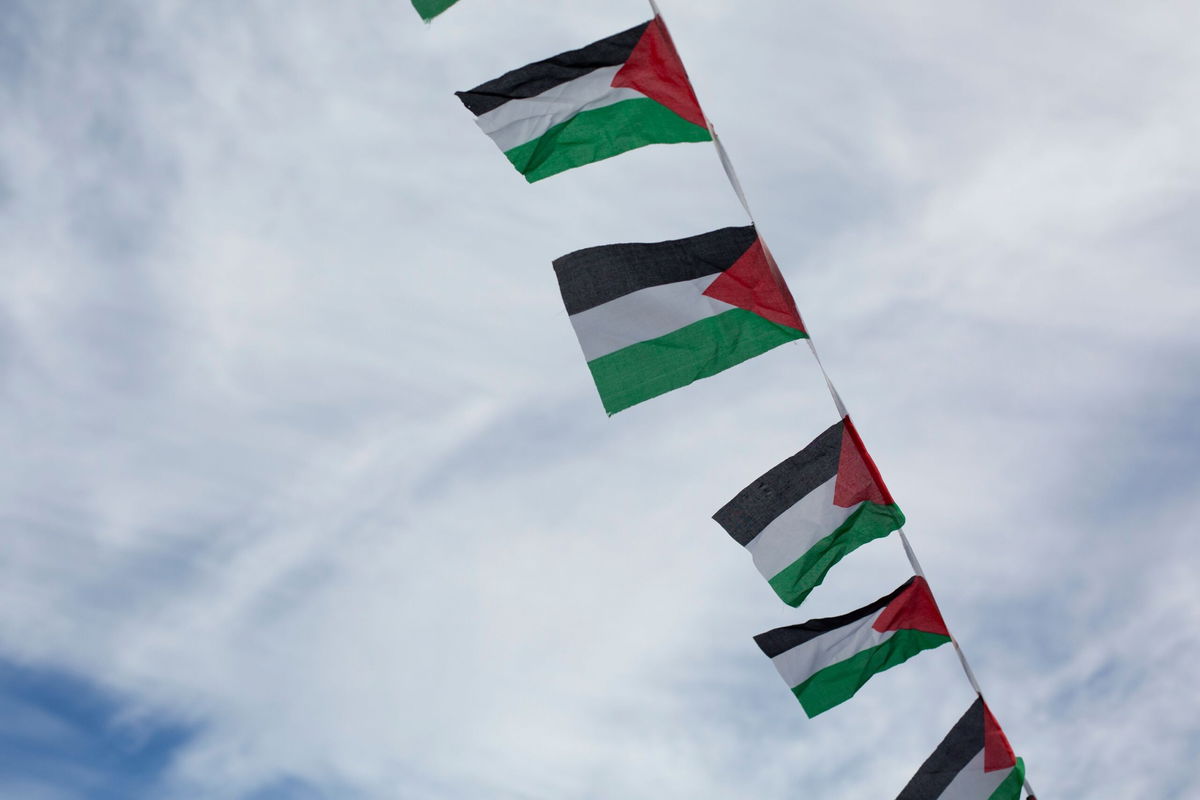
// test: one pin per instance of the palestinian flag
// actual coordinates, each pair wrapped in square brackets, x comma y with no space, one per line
[826,661]
[654,317]
[428,9]
[618,94]
[809,512]
[973,762]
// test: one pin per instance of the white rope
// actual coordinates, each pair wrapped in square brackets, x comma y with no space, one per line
[727,165]
[833,392]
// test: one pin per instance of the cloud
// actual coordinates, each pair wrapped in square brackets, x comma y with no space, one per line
[310,466]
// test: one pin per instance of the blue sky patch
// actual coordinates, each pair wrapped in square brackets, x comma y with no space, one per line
[62,737]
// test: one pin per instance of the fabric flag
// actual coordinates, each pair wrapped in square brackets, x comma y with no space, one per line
[826,661]
[586,105]
[654,317]
[809,512]
[428,9]
[973,762]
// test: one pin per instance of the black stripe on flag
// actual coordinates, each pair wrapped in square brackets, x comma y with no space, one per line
[962,743]
[533,79]
[780,640]
[596,275]
[756,506]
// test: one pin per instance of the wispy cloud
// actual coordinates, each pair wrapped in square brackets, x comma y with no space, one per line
[308,464]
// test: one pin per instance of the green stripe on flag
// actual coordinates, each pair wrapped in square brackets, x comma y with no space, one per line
[839,682]
[1011,788]
[869,522]
[700,350]
[428,9]
[602,133]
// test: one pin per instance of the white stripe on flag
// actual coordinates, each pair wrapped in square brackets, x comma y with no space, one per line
[643,315]
[801,663]
[972,783]
[520,121]
[796,530]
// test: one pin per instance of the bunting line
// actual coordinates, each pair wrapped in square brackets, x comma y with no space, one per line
[720,298]
[910,553]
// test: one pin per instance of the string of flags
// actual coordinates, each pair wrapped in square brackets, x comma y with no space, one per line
[655,317]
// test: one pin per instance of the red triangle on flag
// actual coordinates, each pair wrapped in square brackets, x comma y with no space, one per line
[655,69]
[997,752]
[914,610]
[751,284]
[858,479]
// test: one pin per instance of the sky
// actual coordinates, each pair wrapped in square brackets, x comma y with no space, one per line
[309,494]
